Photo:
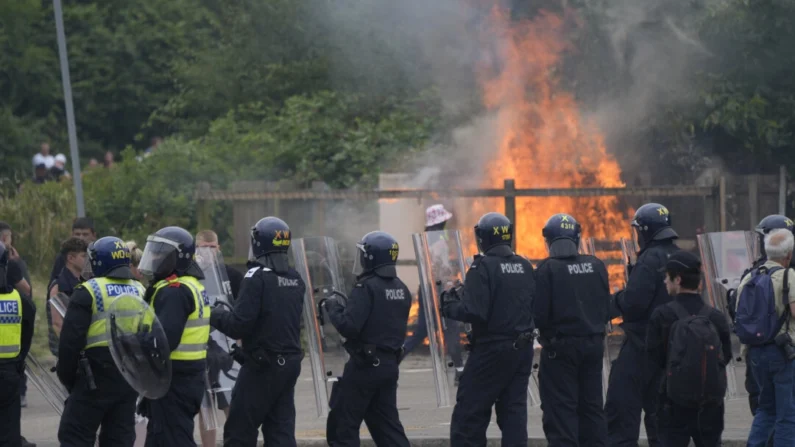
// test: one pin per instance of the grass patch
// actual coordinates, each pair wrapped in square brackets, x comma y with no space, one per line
[40,347]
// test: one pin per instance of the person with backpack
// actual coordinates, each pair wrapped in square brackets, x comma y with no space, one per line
[765,306]
[765,226]
[690,343]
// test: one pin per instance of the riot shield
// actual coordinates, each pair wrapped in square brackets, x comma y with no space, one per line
[440,261]
[207,413]
[139,346]
[222,369]
[725,256]
[317,261]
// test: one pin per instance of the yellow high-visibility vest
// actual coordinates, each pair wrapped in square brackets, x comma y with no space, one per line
[103,292]
[193,344]
[10,324]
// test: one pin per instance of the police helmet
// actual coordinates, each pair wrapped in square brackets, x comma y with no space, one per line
[170,250]
[378,253]
[562,234]
[269,235]
[108,257]
[493,229]
[773,222]
[652,222]
[3,267]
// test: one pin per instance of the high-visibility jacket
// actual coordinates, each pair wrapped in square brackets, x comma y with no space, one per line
[193,344]
[103,292]
[10,324]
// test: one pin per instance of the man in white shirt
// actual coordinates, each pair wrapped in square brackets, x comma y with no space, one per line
[44,157]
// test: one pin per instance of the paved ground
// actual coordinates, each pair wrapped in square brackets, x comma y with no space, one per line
[416,401]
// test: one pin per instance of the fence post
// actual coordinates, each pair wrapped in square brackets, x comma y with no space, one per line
[510,206]
[722,203]
[753,199]
[203,207]
[782,190]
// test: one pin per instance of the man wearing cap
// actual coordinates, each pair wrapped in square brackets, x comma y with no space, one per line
[436,218]
[677,423]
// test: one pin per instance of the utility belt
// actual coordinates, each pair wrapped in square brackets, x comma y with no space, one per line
[367,355]
[518,342]
[260,357]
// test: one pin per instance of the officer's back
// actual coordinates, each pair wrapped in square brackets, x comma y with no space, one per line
[280,296]
[390,302]
[579,283]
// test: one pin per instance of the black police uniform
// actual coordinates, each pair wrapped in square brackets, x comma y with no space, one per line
[171,418]
[376,315]
[678,424]
[497,300]
[111,405]
[632,386]
[570,310]
[12,371]
[267,318]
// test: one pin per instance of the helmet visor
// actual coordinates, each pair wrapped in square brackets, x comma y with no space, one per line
[159,258]
[251,257]
[358,266]
[636,237]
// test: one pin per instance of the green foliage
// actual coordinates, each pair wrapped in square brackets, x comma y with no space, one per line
[41,217]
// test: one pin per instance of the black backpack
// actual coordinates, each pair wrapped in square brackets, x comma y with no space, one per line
[696,369]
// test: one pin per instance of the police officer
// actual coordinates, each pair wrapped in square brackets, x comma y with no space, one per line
[98,393]
[570,310]
[267,318]
[17,316]
[374,323]
[182,306]
[497,299]
[633,385]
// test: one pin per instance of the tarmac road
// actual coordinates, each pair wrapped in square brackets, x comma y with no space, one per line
[424,422]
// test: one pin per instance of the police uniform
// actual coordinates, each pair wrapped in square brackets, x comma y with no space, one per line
[182,307]
[267,318]
[17,316]
[570,310]
[374,323]
[632,385]
[98,394]
[497,301]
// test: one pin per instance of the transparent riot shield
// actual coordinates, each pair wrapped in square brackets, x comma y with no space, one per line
[222,369]
[725,256]
[440,261]
[317,261]
[139,346]
[207,412]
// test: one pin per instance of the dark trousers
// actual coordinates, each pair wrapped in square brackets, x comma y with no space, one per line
[23,385]
[110,409]
[570,385]
[496,375]
[366,393]
[752,387]
[10,410]
[633,388]
[171,417]
[264,396]
[678,425]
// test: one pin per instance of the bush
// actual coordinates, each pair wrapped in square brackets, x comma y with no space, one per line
[41,217]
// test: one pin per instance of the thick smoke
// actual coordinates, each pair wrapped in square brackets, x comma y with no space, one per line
[631,63]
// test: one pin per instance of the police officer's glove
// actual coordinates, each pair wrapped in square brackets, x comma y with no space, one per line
[143,408]
[216,315]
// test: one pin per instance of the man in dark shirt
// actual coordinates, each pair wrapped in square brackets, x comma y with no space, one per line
[83,228]
[676,423]
[74,250]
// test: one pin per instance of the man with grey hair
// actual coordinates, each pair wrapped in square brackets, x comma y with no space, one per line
[773,367]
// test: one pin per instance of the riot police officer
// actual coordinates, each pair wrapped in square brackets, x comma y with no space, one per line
[98,393]
[633,383]
[570,310]
[267,318]
[17,316]
[497,300]
[181,305]
[373,321]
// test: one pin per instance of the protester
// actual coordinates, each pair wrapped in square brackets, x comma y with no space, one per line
[135,259]
[83,228]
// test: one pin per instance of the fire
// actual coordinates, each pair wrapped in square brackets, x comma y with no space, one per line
[543,141]
[414,313]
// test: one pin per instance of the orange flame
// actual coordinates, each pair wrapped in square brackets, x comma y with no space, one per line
[543,141]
